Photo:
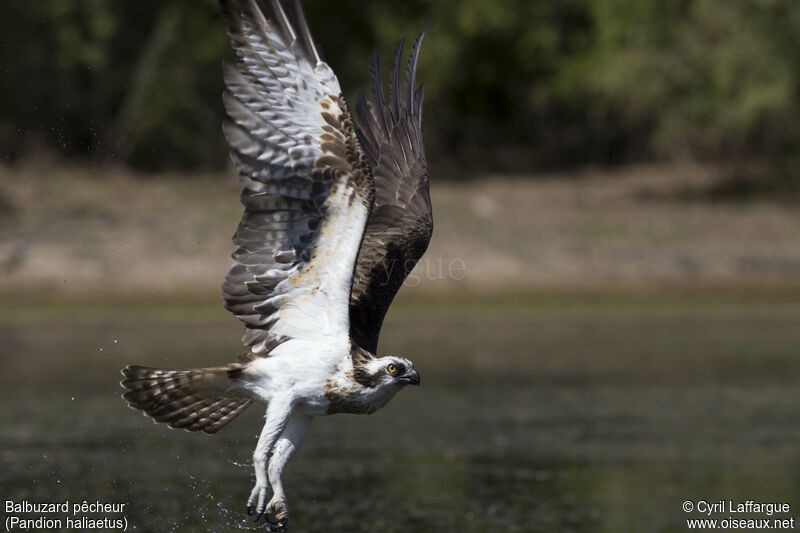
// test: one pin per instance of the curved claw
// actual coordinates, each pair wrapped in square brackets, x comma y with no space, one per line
[281,526]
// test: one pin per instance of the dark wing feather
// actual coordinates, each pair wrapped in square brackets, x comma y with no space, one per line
[400,223]
[307,186]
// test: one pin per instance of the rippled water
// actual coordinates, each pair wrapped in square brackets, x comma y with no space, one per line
[531,417]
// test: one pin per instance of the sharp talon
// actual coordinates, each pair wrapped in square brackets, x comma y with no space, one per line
[280,525]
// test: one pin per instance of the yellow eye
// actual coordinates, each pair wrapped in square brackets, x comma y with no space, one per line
[391,368]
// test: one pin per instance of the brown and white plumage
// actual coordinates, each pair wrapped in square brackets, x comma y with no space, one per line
[295,147]
[188,399]
[335,217]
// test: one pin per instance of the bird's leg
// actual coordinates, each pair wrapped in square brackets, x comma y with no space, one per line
[288,443]
[277,416]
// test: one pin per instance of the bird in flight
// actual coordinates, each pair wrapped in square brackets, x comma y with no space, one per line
[336,214]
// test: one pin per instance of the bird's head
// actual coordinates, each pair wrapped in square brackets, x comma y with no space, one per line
[389,370]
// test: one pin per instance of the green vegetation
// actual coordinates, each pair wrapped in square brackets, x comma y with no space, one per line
[512,85]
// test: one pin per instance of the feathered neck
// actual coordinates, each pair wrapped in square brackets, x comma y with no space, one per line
[361,371]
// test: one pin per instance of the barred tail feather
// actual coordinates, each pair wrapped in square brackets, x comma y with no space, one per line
[195,400]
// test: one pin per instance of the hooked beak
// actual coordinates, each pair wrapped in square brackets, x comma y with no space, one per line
[410,378]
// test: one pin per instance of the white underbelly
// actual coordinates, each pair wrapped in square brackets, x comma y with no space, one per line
[297,368]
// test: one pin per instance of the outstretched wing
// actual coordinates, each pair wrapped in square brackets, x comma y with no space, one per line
[400,223]
[307,185]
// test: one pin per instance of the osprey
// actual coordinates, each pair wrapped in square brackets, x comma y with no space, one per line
[336,214]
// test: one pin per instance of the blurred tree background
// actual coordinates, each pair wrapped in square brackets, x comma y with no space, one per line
[511,85]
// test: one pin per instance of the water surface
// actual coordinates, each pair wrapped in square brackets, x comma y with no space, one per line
[537,416]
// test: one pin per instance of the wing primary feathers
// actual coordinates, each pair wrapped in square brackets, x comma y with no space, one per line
[254,11]
[366,135]
[378,100]
[395,103]
[418,97]
[306,33]
[283,21]
[411,72]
